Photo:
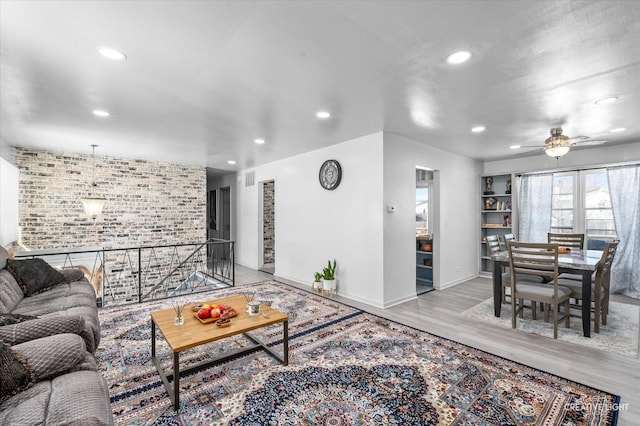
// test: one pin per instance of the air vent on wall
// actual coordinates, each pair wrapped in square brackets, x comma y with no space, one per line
[423,175]
[250,179]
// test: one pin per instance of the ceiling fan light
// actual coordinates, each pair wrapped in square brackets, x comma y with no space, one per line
[557,144]
[557,151]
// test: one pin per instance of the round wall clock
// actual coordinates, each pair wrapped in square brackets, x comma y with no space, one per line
[330,174]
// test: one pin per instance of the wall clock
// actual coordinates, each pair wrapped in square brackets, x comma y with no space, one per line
[330,174]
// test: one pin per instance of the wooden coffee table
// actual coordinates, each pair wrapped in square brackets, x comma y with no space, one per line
[194,333]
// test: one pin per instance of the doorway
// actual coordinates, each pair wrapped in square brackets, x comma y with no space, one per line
[424,230]
[268,243]
[224,222]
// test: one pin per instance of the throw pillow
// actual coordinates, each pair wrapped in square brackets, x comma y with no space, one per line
[71,275]
[34,275]
[9,319]
[16,374]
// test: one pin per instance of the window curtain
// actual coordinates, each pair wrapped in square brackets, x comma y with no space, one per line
[624,187]
[534,207]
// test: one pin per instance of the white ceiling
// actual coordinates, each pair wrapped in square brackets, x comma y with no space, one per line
[203,79]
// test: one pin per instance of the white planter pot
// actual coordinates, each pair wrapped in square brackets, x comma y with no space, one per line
[329,284]
[316,285]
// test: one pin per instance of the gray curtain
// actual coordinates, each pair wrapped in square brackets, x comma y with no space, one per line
[624,187]
[534,207]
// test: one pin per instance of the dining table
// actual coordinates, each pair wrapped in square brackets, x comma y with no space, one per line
[579,262]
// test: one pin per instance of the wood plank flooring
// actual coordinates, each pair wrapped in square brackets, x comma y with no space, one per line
[438,312]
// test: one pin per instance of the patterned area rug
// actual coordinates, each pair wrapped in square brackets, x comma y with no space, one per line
[620,335]
[346,367]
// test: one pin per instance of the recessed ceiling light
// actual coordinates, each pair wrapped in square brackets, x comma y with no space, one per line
[514,147]
[459,57]
[607,101]
[231,162]
[112,54]
[100,113]
[323,114]
[259,141]
[617,130]
[478,129]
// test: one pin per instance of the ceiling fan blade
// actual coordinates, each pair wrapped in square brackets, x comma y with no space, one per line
[590,142]
[521,154]
[576,139]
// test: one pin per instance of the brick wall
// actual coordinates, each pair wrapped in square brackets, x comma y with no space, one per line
[148,203]
[268,229]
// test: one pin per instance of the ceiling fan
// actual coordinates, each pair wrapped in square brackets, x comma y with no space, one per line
[558,144]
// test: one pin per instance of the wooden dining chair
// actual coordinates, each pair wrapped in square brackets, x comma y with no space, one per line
[493,247]
[537,259]
[508,237]
[574,241]
[599,287]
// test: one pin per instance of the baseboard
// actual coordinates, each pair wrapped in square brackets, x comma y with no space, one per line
[400,300]
[460,281]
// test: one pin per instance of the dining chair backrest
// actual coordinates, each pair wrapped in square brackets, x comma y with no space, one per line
[575,241]
[493,244]
[603,267]
[508,237]
[533,259]
[602,284]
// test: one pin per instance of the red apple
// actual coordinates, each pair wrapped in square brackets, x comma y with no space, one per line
[215,313]
[204,313]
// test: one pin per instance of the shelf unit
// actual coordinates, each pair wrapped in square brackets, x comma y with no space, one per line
[424,265]
[496,214]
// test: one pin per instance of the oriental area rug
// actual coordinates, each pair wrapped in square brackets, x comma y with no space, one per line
[346,367]
[620,335]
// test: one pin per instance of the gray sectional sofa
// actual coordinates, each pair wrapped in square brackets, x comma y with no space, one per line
[47,340]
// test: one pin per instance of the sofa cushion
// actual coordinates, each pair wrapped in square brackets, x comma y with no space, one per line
[77,398]
[34,275]
[16,374]
[51,356]
[8,319]
[10,292]
[4,256]
[51,325]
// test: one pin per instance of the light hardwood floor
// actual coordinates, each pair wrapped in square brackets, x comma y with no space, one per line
[438,312]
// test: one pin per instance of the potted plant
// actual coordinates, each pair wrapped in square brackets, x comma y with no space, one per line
[329,276]
[317,281]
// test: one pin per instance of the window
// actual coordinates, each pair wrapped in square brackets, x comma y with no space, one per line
[422,211]
[424,180]
[581,204]
[562,203]
[598,214]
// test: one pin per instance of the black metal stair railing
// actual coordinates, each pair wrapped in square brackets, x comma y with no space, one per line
[137,274]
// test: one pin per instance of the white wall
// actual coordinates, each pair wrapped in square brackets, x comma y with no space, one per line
[456,236]
[8,202]
[595,156]
[314,225]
